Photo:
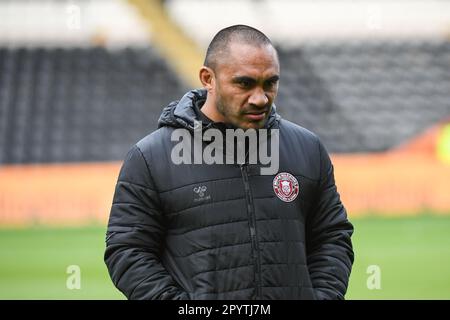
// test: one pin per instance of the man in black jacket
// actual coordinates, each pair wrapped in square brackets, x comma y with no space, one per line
[227,229]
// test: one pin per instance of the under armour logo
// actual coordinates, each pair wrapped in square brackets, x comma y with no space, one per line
[201,193]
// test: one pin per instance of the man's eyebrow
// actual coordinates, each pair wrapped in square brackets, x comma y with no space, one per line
[274,78]
[250,79]
[243,78]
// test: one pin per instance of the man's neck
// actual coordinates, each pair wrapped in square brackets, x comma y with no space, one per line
[209,110]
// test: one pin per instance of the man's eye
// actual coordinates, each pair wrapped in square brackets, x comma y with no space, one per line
[271,83]
[244,83]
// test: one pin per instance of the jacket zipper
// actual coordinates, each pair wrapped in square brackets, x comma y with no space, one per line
[252,224]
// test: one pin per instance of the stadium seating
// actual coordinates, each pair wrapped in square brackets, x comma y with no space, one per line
[366,96]
[90,104]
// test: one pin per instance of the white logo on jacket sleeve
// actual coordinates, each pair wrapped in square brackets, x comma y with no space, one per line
[285,186]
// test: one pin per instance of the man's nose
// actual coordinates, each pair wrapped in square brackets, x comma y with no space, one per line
[258,98]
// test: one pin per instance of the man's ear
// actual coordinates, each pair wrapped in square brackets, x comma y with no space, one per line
[207,78]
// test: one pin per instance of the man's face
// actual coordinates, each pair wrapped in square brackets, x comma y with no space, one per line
[246,85]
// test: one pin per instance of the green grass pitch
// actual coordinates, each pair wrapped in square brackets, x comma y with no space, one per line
[413,256]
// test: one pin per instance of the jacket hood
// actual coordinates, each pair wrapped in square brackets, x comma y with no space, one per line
[181,114]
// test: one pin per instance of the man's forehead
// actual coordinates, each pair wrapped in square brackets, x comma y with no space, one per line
[248,53]
[247,57]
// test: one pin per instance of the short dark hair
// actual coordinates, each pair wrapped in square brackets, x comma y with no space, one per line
[240,33]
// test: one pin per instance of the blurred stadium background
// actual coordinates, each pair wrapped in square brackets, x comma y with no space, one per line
[81,81]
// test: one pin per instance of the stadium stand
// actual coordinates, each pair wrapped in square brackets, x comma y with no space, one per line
[82,80]
[60,105]
[365,96]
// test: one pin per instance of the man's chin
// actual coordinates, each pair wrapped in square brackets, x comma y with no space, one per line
[252,125]
[245,124]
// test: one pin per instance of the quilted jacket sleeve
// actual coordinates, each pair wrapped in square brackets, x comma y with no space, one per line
[328,237]
[135,235]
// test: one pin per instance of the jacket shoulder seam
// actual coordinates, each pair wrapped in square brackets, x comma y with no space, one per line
[136,184]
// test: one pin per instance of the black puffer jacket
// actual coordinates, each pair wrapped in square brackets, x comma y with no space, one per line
[236,239]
